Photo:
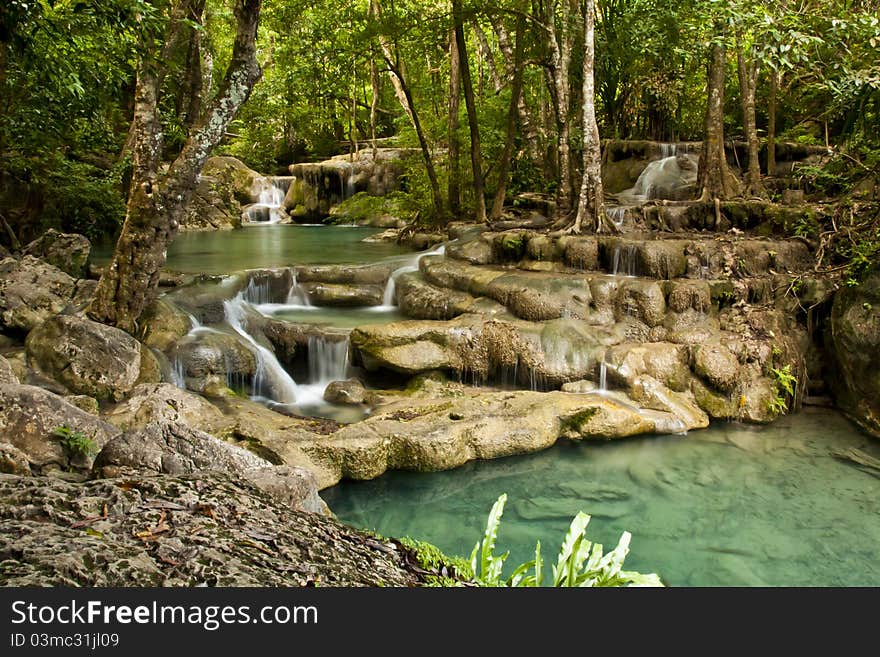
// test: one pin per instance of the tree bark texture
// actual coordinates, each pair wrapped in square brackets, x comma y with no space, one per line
[157,201]
[591,206]
[454,184]
[715,178]
[471,106]
[747,69]
[512,114]
[771,123]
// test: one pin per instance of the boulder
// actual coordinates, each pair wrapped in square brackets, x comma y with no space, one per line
[198,530]
[7,374]
[163,403]
[164,324]
[68,252]
[224,185]
[32,291]
[418,299]
[13,460]
[374,274]
[718,366]
[171,448]
[211,357]
[350,391]
[89,358]
[855,344]
[84,403]
[291,485]
[349,296]
[28,417]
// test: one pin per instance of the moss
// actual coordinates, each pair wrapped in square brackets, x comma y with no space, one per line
[365,209]
[511,246]
[443,570]
[577,420]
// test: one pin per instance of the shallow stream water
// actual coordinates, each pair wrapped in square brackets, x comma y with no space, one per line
[732,505]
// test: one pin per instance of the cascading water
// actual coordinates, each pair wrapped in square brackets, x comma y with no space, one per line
[668,150]
[603,376]
[616,214]
[388,298]
[624,261]
[267,209]
[663,178]
[271,379]
[297,295]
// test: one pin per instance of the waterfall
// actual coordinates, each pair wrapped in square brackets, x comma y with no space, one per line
[388,298]
[257,292]
[663,178]
[270,198]
[625,261]
[603,376]
[270,377]
[297,295]
[668,150]
[328,362]
[616,215]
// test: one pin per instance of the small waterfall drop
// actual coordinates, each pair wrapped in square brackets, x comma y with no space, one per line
[270,198]
[603,377]
[328,362]
[388,298]
[616,215]
[668,150]
[270,377]
[624,261]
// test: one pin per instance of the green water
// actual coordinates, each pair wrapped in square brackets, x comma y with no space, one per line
[729,506]
[256,247]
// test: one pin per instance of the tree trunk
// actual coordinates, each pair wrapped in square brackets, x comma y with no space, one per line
[560,42]
[512,114]
[530,130]
[454,185]
[591,208]
[404,97]
[771,123]
[748,81]
[156,202]
[194,77]
[715,178]
[470,104]
[374,104]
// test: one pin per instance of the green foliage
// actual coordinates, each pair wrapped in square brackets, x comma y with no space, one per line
[76,444]
[580,562]
[446,570]
[785,384]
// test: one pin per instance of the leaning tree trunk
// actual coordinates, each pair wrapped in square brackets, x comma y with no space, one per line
[512,114]
[404,97]
[716,180]
[471,105]
[748,80]
[453,189]
[157,201]
[591,208]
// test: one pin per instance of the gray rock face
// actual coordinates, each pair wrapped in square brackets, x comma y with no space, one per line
[334,294]
[13,460]
[162,403]
[855,342]
[161,530]
[717,365]
[89,358]
[7,374]
[215,357]
[31,292]
[29,415]
[67,251]
[172,448]
[224,185]
[291,485]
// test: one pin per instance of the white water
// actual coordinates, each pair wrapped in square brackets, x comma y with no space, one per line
[297,296]
[661,178]
[388,299]
[603,376]
[328,362]
[270,377]
[270,198]
[616,214]
[625,261]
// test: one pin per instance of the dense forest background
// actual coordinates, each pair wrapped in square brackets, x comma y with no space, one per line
[337,75]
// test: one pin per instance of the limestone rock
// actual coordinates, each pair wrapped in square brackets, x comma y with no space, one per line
[334,294]
[163,403]
[214,523]
[29,415]
[172,448]
[32,291]
[292,485]
[351,391]
[165,325]
[68,252]
[718,366]
[855,343]
[89,358]
[7,374]
[13,460]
